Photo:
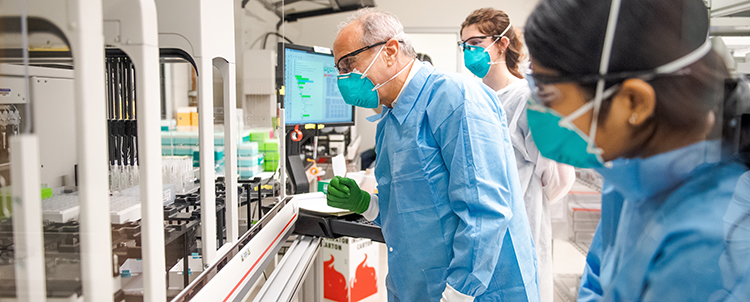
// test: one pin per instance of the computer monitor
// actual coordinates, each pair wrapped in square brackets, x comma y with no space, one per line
[311,94]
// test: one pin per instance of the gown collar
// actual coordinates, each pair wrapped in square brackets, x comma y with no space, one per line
[639,179]
[408,95]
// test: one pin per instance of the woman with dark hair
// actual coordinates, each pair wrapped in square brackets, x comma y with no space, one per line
[493,51]
[633,89]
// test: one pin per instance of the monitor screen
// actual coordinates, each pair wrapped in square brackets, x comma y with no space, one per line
[311,93]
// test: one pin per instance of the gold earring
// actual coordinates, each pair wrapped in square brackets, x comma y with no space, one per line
[633,118]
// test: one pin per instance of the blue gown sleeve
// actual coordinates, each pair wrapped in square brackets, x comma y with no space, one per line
[590,290]
[682,271]
[474,145]
[377,219]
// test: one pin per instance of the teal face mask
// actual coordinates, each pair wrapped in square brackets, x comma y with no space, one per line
[477,59]
[558,139]
[358,90]
[555,136]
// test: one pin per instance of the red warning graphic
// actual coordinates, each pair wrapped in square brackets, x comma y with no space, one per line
[365,282]
[335,288]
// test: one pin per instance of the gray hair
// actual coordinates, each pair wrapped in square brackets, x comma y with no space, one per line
[379,26]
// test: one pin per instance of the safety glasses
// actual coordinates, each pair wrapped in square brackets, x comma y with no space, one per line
[346,63]
[474,41]
[543,91]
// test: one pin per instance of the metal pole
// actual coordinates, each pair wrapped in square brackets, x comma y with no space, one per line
[145,58]
[231,134]
[206,147]
[96,242]
[185,261]
[282,152]
[27,219]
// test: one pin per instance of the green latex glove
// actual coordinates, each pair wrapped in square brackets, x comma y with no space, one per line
[344,193]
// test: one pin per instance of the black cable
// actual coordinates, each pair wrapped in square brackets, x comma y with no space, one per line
[135,117]
[110,109]
[110,92]
[265,39]
[131,112]
[272,175]
[123,111]
[121,88]
[126,115]
[260,201]
[118,109]
[126,88]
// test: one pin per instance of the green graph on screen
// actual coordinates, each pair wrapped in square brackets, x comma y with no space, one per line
[302,81]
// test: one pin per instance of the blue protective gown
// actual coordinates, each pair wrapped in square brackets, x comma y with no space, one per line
[451,207]
[735,263]
[661,235]
[542,180]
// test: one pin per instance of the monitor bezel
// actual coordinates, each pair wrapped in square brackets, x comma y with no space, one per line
[281,55]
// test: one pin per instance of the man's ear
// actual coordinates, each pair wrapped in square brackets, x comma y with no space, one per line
[392,50]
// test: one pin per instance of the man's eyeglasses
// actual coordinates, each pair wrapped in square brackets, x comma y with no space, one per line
[346,63]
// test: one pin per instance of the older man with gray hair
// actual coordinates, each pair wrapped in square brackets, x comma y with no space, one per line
[450,204]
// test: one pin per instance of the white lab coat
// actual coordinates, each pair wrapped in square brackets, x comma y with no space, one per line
[543,181]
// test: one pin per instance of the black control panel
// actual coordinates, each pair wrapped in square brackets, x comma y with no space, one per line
[329,226]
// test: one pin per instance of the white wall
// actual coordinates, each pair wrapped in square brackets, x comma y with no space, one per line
[445,15]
